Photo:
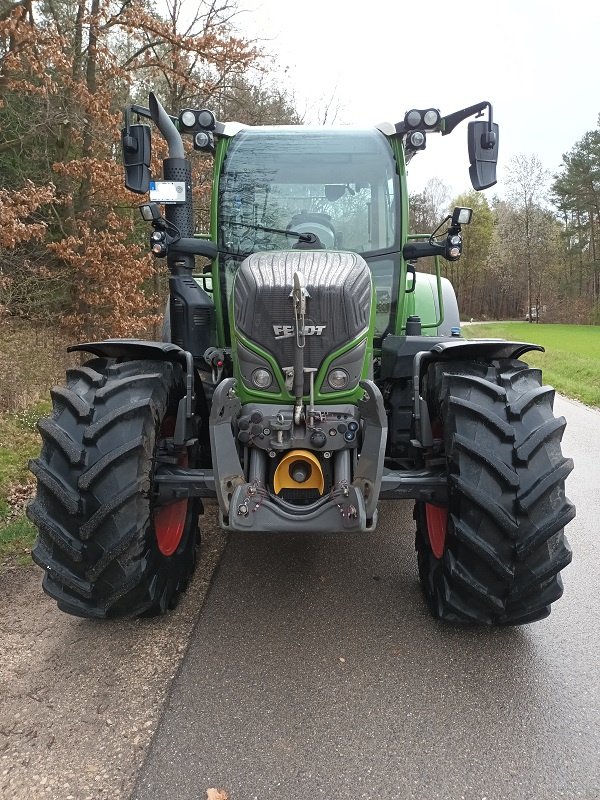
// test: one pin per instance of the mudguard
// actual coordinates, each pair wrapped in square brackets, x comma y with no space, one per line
[481,348]
[139,349]
[133,349]
[457,350]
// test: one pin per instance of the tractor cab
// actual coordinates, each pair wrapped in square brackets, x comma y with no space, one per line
[299,188]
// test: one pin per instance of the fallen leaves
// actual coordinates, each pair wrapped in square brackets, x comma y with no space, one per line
[216,794]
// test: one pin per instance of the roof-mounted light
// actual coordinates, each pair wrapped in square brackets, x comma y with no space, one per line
[413,118]
[204,141]
[187,118]
[415,140]
[191,119]
[431,117]
[206,119]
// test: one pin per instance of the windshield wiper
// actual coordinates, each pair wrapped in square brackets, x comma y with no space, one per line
[309,238]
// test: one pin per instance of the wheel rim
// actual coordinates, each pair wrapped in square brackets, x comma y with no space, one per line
[169,521]
[437,524]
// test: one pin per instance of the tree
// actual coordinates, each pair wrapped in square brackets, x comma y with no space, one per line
[576,192]
[66,69]
[469,274]
[427,208]
[527,180]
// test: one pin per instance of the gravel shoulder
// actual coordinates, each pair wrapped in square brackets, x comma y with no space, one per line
[80,700]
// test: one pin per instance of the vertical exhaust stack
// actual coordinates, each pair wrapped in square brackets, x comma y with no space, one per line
[192,311]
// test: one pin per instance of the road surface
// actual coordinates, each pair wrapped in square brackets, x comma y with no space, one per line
[314,671]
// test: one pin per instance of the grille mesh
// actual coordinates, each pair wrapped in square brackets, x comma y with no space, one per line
[339,288]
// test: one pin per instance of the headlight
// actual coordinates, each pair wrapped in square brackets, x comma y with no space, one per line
[338,379]
[262,378]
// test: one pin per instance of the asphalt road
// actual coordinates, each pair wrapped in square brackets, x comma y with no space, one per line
[314,670]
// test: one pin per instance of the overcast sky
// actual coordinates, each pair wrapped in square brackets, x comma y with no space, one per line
[535,61]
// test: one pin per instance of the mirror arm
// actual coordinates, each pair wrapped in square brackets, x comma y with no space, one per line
[413,250]
[452,120]
[140,111]
[198,247]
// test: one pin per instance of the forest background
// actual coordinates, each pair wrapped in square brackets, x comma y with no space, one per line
[74,261]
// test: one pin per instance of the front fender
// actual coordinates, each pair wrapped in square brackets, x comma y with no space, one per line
[139,349]
[457,350]
[134,349]
[473,349]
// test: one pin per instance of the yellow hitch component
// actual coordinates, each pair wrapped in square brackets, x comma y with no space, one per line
[299,469]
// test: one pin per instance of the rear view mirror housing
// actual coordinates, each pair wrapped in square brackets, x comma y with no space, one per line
[483,153]
[137,152]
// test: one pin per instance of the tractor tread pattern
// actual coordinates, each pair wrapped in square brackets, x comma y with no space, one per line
[539,436]
[112,504]
[58,571]
[62,394]
[51,432]
[92,376]
[505,544]
[504,472]
[115,386]
[66,496]
[96,429]
[545,529]
[495,511]
[523,402]
[483,549]
[93,507]
[91,475]
[486,416]
[459,573]
[545,483]
[54,531]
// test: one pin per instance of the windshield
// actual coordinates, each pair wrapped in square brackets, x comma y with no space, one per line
[279,184]
[339,185]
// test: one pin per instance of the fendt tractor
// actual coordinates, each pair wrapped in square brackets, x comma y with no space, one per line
[307,371]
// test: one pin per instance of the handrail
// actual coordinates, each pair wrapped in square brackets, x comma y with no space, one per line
[438,276]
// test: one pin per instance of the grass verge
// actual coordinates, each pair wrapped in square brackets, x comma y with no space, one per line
[571,362]
[19,441]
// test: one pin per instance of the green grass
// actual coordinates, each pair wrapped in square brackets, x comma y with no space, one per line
[16,540]
[571,362]
[19,441]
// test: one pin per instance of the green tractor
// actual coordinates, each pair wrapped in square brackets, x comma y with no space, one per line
[306,372]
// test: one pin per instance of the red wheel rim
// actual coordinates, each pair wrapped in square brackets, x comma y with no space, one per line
[169,521]
[437,523]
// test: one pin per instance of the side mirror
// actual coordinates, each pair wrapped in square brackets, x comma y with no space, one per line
[483,154]
[137,150]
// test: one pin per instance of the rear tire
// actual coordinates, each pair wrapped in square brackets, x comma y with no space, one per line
[498,560]
[101,535]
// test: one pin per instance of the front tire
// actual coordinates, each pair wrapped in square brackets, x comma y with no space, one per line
[494,554]
[107,548]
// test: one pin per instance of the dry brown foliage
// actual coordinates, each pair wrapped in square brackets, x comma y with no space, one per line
[76,73]
[216,794]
